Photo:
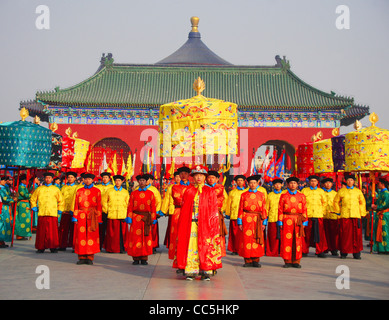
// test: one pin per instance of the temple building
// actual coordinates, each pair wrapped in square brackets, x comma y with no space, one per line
[115,105]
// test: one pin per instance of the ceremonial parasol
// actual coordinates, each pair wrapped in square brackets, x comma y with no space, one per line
[304,157]
[322,156]
[24,145]
[367,150]
[198,126]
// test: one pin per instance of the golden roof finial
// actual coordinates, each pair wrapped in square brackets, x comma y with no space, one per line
[195,24]
[24,114]
[199,86]
[373,118]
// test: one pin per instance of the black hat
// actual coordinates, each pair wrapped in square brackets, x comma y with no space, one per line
[384,181]
[105,174]
[88,175]
[290,179]
[71,173]
[149,176]
[239,176]
[350,176]
[118,176]
[48,174]
[142,176]
[214,173]
[22,177]
[277,180]
[3,178]
[313,176]
[255,177]
[327,179]
[176,174]
[183,169]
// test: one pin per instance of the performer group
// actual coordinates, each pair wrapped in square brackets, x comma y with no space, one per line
[282,222]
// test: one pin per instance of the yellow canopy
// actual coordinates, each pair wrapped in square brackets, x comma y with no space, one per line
[322,156]
[198,126]
[367,149]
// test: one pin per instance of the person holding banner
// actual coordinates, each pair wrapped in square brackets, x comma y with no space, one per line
[5,215]
[141,214]
[252,219]
[177,194]
[23,216]
[351,205]
[272,235]
[115,204]
[105,185]
[87,217]
[232,211]
[66,226]
[48,201]
[292,218]
[330,218]
[381,219]
[316,208]
[222,197]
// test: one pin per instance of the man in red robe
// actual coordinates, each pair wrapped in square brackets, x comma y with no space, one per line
[222,197]
[292,217]
[252,219]
[87,216]
[177,194]
[198,245]
[141,214]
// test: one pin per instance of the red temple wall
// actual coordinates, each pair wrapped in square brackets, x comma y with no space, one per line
[255,136]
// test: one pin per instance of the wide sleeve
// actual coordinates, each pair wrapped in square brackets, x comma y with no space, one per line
[240,212]
[166,200]
[130,206]
[362,204]
[60,201]
[76,203]
[153,207]
[34,198]
[99,206]
[228,204]
[336,203]
[281,204]
[24,194]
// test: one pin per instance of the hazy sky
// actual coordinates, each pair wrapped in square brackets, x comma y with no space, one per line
[351,62]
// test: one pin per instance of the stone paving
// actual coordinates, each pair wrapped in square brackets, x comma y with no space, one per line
[113,277]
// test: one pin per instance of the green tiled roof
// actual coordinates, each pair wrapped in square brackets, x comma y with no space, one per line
[252,87]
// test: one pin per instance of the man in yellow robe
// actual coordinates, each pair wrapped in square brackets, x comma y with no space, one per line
[48,201]
[331,219]
[316,206]
[232,211]
[66,226]
[116,204]
[104,187]
[168,207]
[351,205]
[272,236]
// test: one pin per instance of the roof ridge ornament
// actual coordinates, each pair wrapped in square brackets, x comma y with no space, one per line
[195,24]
